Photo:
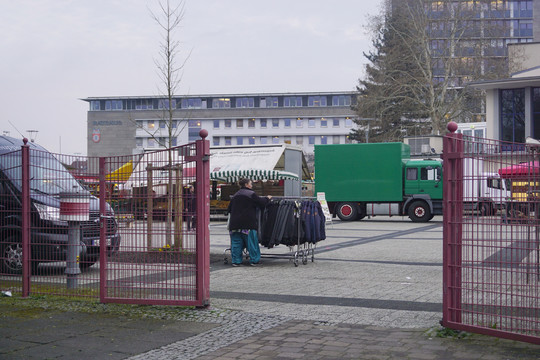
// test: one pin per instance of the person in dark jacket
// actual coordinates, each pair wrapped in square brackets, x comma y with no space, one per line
[243,222]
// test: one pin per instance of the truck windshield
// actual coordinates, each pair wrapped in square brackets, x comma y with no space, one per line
[47,174]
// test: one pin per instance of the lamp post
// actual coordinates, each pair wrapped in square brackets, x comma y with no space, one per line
[367,132]
[32,134]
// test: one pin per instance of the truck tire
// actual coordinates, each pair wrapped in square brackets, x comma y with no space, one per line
[419,212]
[485,209]
[347,211]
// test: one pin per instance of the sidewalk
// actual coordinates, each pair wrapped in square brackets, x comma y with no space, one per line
[372,292]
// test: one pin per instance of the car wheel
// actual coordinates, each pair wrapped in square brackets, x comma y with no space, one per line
[347,211]
[11,256]
[419,212]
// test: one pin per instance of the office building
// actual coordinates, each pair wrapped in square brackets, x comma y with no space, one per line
[130,125]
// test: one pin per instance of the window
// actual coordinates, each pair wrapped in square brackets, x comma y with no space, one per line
[299,123]
[429,173]
[239,140]
[412,174]
[95,105]
[174,124]
[275,123]
[227,140]
[164,104]
[324,139]
[275,140]
[228,123]
[287,140]
[174,141]
[336,139]
[143,104]
[324,122]
[245,102]
[341,100]
[191,103]
[292,101]
[216,124]
[151,143]
[348,122]
[251,123]
[162,124]
[251,140]
[139,142]
[221,103]
[315,101]
[194,128]
[335,122]
[113,105]
[287,123]
[311,123]
[311,140]
[271,101]
[150,124]
[299,140]
[264,140]
[263,123]
[239,123]
[348,140]
[512,115]
[215,140]
[536,112]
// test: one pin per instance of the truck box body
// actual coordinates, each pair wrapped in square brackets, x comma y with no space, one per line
[363,172]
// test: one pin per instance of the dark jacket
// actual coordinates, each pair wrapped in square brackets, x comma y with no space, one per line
[243,209]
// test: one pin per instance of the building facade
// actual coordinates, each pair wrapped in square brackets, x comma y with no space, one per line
[130,125]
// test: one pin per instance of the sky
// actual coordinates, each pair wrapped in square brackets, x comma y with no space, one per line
[53,53]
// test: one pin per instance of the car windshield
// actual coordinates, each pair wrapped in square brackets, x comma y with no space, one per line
[47,174]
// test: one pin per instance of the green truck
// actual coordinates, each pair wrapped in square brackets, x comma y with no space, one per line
[361,180]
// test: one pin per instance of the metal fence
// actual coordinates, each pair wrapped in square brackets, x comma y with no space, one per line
[131,229]
[491,237]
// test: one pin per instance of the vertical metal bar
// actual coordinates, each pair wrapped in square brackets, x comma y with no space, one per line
[452,226]
[203,219]
[25,208]
[102,232]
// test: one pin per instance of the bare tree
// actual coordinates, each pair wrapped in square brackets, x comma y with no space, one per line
[425,53]
[170,65]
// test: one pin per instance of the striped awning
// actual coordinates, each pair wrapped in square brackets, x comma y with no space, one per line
[253,174]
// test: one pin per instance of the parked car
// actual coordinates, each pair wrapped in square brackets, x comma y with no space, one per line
[48,234]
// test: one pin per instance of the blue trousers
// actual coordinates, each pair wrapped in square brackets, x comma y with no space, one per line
[241,241]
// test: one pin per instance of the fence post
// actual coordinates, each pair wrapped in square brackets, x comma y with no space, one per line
[452,224]
[202,148]
[25,208]
[102,232]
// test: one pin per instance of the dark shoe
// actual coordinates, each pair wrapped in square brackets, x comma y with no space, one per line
[255,264]
[236,265]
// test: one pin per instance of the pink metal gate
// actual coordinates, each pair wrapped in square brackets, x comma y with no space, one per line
[491,237]
[130,229]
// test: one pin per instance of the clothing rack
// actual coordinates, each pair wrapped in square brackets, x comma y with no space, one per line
[300,250]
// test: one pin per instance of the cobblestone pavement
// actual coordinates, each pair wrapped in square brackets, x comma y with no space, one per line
[372,291]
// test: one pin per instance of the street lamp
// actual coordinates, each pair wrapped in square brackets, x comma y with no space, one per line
[32,134]
[367,132]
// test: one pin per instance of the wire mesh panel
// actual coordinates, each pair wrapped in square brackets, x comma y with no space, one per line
[492,237]
[11,265]
[154,201]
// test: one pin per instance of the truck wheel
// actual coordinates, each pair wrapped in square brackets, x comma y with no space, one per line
[347,211]
[419,212]
[485,209]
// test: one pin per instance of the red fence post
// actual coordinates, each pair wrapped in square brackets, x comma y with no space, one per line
[202,148]
[102,232]
[25,207]
[452,224]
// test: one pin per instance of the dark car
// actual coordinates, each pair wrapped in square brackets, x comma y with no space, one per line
[48,233]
